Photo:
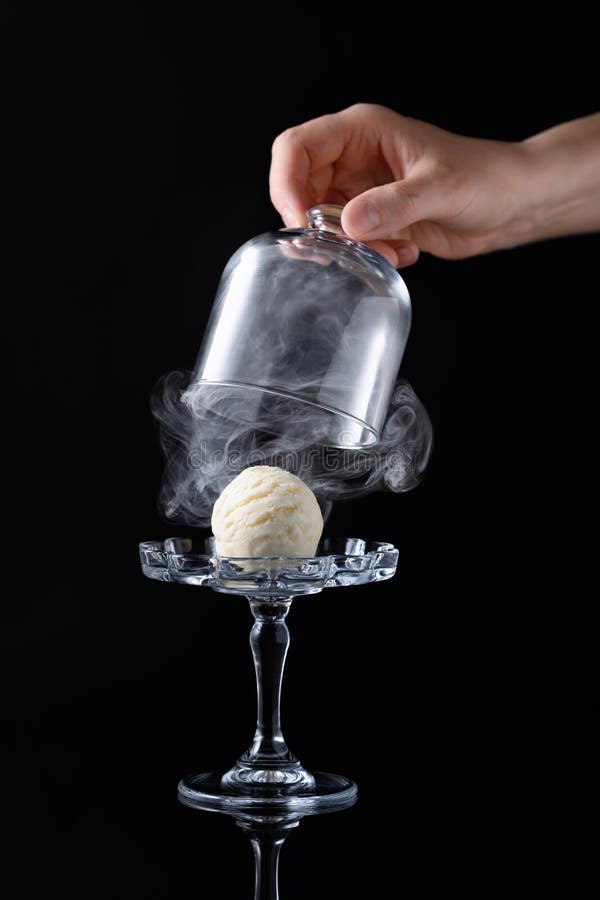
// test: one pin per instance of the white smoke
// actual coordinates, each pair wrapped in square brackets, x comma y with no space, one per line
[210,433]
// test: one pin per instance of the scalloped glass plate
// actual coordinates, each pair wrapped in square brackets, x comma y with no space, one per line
[342,562]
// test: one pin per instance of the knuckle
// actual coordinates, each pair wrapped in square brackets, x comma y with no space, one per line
[285,137]
[403,198]
[359,110]
[369,110]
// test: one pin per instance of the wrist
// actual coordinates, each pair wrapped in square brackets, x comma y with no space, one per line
[562,188]
[520,197]
[543,190]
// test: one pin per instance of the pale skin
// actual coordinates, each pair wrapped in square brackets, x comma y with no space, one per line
[407,186]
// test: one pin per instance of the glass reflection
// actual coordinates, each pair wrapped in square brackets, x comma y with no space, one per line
[267,835]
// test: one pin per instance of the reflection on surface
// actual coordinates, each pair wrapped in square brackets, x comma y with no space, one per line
[267,835]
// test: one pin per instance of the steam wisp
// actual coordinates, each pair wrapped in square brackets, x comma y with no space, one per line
[209,433]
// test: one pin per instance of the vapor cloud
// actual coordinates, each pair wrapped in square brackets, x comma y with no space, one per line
[209,433]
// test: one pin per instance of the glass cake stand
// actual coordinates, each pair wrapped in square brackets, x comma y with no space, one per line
[268,779]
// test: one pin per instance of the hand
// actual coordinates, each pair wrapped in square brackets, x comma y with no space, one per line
[408,186]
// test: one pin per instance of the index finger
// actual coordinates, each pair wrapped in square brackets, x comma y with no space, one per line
[297,153]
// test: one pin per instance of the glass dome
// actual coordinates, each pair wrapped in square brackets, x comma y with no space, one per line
[306,335]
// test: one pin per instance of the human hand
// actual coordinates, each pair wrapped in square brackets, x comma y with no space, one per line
[408,186]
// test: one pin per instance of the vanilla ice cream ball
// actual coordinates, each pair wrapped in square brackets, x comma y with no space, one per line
[266,511]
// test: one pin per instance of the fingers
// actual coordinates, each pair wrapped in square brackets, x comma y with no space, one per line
[386,250]
[407,253]
[399,254]
[302,167]
[299,152]
[383,212]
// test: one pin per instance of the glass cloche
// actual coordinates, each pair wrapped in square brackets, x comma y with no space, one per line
[307,333]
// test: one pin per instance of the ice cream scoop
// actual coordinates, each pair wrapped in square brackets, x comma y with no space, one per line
[266,511]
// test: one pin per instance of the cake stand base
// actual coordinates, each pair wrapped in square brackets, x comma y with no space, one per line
[210,792]
[268,781]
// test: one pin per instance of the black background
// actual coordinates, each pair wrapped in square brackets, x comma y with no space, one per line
[139,144]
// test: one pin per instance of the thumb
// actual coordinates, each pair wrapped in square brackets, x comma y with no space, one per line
[383,212]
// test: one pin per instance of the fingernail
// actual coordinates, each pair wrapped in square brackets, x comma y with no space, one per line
[366,219]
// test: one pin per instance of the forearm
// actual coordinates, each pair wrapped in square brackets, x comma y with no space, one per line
[563,179]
